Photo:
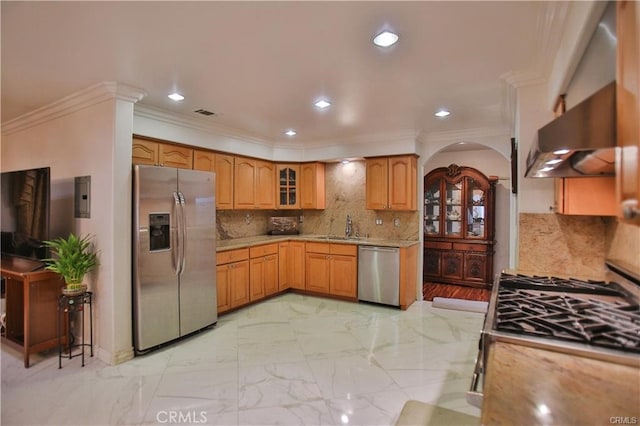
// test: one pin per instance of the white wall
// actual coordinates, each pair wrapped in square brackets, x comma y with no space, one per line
[89,137]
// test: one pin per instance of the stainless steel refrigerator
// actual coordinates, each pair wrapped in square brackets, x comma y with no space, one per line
[174,249]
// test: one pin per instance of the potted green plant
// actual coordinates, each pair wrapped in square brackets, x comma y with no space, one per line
[73,259]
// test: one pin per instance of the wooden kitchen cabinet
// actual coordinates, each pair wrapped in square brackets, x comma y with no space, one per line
[312,186]
[288,186]
[263,274]
[332,269]
[204,160]
[254,186]
[594,196]
[232,279]
[224,166]
[145,151]
[628,110]
[391,183]
[291,259]
[459,211]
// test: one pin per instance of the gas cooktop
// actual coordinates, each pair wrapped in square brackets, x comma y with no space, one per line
[591,318]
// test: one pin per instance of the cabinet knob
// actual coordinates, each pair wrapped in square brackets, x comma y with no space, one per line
[630,209]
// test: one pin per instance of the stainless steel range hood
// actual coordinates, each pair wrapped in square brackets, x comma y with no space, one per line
[580,142]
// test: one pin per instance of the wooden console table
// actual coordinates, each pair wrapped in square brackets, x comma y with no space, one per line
[32,305]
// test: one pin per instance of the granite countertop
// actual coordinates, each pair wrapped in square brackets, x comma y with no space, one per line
[236,243]
[525,385]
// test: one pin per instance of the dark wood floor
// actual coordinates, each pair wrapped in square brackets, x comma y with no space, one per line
[431,290]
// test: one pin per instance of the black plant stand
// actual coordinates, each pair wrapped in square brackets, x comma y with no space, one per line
[66,305]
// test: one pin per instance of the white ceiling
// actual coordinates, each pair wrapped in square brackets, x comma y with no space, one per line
[260,65]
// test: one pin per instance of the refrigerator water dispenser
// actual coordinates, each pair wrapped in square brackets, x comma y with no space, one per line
[159,237]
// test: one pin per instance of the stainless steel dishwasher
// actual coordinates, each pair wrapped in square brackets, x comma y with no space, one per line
[379,275]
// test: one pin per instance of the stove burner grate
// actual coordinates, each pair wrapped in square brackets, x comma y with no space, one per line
[603,321]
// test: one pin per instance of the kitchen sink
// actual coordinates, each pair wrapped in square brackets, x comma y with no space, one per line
[334,237]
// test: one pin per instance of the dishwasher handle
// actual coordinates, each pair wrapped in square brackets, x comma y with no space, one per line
[378,248]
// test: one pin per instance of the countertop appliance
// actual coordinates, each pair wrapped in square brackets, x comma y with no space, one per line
[174,244]
[379,275]
[593,319]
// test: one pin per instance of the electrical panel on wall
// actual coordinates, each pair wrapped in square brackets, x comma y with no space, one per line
[82,197]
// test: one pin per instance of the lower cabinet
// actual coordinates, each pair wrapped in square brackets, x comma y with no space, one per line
[291,265]
[459,263]
[332,269]
[263,274]
[232,279]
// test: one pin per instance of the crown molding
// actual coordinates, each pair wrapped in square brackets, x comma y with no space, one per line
[92,95]
[195,123]
[465,135]
[371,139]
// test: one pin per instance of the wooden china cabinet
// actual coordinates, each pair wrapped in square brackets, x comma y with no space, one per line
[459,212]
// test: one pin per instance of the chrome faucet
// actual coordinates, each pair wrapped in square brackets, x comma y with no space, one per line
[348,229]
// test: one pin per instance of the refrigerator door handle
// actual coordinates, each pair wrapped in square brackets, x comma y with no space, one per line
[177,253]
[183,242]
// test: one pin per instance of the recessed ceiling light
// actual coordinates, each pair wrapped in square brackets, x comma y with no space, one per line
[561,152]
[290,132]
[322,103]
[345,161]
[176,97]
[442,113]
[385,39]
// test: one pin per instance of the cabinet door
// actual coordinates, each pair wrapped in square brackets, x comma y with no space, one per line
[432,263]
[222,285]
[432,208]
[283,265]
[628,109]
[204,161]
[344,271]
[270,274]
[145,152]
[288,186]
[377,183]
[475,267]
[453,209]
[239,283]
[475,214]
[265,185]
[312,186]
[176,156]
[402,183]
[256,279]
[317,272]
[296,264]
[593,196]
[452,264]
[224,181]
[244,189]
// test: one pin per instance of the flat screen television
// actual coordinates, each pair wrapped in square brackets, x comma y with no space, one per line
[25,211]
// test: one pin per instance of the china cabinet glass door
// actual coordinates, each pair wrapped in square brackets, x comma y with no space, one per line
[432,208]
[453,210]
[476,209]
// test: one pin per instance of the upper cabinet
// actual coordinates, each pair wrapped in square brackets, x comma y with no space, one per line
[628,110]
[254,184]
[224,181]
[459,203]
[288,186]
[312,189]
[222,165]
[593,196]
[146,151]
[391,183]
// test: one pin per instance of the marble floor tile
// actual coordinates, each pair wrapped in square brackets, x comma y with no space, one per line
[289,360]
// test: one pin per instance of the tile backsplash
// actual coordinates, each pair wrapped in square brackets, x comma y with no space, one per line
[345,194]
